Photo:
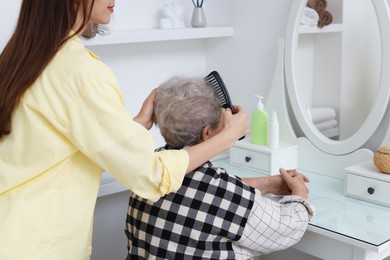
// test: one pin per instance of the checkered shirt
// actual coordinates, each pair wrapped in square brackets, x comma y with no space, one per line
[213,215]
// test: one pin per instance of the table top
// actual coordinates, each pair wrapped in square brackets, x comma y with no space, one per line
[352,218]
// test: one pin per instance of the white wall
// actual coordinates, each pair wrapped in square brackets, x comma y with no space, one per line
[247,61]
[8,20]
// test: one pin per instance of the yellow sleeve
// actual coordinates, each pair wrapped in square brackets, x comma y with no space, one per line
[102,129]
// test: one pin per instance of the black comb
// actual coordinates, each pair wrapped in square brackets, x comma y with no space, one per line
[215,81]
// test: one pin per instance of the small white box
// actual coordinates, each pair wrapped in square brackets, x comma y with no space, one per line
[363,181]
[262,158]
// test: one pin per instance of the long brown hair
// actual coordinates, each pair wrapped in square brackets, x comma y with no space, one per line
[42,28]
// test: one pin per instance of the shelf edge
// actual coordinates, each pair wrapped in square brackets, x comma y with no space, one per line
[155,35]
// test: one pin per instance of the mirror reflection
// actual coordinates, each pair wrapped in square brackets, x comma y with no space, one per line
[338,65]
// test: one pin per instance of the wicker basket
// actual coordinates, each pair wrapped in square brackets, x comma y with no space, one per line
[382,159]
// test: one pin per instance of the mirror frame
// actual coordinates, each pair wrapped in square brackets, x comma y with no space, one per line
[380,104]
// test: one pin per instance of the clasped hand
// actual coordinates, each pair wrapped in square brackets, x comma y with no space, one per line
[289,182]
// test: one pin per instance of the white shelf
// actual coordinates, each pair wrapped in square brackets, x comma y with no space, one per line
[331,28]
[153,35]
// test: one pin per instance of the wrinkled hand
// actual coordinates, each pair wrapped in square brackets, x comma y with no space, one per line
[289,182]
[145,116]
[235,126]
[269,184]
[274,185]
[295,181]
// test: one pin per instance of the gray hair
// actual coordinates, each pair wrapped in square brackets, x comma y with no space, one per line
[184,106]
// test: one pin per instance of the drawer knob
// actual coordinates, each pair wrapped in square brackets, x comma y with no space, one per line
[248,159]
[370,190]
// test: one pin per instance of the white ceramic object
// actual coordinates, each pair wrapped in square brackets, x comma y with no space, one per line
[198,18]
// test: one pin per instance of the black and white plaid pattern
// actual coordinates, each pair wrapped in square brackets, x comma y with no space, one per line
[214,215]
[200,221]
[273,225]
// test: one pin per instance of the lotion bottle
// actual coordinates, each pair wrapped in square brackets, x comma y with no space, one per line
[259,124]
[273,141]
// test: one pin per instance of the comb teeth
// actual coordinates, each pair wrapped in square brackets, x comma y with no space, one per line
[220,91]
[214,84]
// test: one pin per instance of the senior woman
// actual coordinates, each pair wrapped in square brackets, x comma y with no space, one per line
[214,215]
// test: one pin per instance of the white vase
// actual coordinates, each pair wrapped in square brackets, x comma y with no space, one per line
[198,18]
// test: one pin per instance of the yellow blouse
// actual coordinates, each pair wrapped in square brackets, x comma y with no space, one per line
[69,126]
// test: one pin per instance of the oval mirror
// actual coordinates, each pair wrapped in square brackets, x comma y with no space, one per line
[346,81]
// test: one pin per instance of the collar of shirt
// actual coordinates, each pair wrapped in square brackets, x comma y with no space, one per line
[76,40]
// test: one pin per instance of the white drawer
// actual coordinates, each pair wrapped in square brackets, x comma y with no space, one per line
[364,181]
[263,159]
[253,160]
[372,190]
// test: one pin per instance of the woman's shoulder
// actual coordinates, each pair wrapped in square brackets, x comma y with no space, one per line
[73,60]
[80,68]
[71,77]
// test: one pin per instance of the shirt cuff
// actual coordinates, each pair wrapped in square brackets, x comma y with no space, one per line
[176,164]
[311,210]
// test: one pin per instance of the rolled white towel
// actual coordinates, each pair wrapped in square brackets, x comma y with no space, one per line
[320,114]
[309,17]
[326,125]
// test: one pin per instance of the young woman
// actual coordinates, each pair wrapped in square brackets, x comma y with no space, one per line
[62,121]
[214,215]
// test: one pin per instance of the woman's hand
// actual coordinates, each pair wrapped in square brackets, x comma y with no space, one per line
[270,184]
[295,181]
[274,185]
[292,183]
[145,116]
[235,126]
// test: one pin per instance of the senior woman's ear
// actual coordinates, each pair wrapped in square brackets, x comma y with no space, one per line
[207,133]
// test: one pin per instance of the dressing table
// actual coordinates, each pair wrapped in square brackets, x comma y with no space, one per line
[344,227]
